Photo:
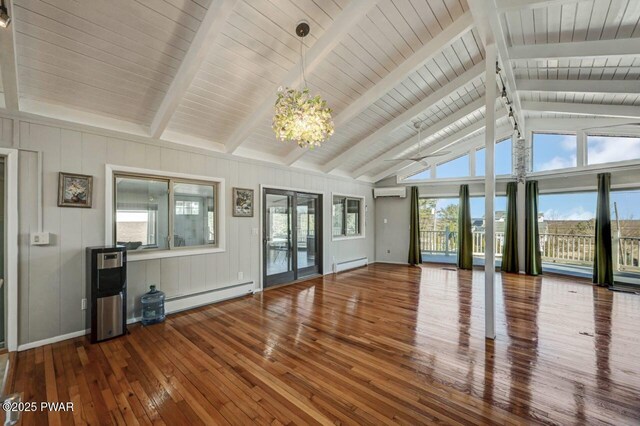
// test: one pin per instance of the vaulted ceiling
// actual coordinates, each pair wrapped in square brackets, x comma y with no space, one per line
[205,72]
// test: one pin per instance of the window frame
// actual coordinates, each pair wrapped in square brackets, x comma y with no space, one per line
[218,184]
[457,157]
[532,155]
[480,148]
[361,217]
[587,135]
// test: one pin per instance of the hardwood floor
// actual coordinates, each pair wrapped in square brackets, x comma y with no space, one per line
[378,345]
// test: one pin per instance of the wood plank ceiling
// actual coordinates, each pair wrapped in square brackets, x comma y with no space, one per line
[118,59]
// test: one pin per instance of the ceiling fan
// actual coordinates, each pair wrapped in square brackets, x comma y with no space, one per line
[420,157]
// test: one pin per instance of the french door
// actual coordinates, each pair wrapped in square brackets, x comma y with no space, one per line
[292,225]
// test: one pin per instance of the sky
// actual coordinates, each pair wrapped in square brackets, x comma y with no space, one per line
[550,152]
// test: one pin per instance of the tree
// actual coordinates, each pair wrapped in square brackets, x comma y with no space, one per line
[448,216]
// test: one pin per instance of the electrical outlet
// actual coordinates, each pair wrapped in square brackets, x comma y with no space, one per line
[240,276]
[388,251]
[385,220]
[83,304]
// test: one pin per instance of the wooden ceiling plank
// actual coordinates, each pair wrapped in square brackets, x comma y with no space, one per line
[9,64]
[340,27]
[209,29]
[465,78]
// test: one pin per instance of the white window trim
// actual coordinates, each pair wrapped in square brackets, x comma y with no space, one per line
[363,217]
[133,256]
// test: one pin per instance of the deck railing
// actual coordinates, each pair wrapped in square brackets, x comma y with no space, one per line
[555,248]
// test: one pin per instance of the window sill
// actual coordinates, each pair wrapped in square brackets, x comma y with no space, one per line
[135,256]
[342,238]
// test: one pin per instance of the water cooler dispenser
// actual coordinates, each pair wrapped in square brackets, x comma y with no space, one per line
[107,292]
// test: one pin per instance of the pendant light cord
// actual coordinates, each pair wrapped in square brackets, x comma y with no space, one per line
[304,78]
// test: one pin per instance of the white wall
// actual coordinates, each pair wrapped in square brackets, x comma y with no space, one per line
[52,278]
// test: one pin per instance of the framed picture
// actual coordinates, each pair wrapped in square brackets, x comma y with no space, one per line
[242,202]
[74,190]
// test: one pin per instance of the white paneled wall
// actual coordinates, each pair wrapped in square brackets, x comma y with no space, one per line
[52,281]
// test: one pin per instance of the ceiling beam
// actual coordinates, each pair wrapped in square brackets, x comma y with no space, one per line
[438,146]
[579,86]
[578,49]
[414,62]
[427,133]
[508,5]
[613,111]
[210,27]
[488,19]
[332,36]
[445,91]
[9,63]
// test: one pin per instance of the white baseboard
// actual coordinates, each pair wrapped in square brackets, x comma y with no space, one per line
[171,306]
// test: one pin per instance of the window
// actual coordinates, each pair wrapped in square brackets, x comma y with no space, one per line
[157,213]
[454,168]
[609,149]
[346,216]
[554,151]
[504,159]
[425,174]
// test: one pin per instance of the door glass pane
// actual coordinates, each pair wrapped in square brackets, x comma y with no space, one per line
[278,232]
[307,243]
[142,213]
[193,223]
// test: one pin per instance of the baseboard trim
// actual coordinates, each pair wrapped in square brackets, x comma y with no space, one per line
[174,305]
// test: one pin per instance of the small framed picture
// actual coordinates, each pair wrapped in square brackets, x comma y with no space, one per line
[242,202]
[74,190]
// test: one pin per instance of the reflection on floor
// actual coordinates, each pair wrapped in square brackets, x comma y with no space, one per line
[278,260]
[377,345]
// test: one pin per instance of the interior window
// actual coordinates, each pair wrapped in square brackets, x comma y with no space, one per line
[553,151]
[609,149]
[454,168]
[346,216]
[503,160]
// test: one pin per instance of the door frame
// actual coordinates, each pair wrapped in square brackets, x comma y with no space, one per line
[261,235]
[11,245]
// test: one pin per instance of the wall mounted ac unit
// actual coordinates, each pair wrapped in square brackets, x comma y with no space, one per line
[399,191]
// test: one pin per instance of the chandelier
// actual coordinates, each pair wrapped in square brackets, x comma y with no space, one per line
[298,116]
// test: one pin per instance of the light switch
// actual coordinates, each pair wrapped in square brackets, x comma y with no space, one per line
[385,220]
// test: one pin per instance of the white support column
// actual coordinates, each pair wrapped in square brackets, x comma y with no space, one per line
[520,208]
[581,158]
[489,193]
[472,162]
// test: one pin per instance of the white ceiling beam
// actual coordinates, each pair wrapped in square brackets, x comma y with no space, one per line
[445,91]
[428,51]
[9,64]
[508,5]
[332,36]
[488,19]
[578,49]
[613,111]
[210,27]
[412,142]
[554,124]
[438,146]
[579,86]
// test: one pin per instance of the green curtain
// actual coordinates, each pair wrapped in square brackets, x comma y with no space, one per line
[603,259]
[533,257]
[465,237]
[415,257]
[510,247]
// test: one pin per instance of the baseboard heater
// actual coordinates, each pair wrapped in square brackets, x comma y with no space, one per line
[194,300]
[351,264]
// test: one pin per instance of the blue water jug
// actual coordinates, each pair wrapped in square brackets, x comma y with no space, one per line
[152,306]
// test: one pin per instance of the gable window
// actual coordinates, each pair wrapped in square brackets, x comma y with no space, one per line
[553,151]
[503,161]
[458,167]
[156,213]
[347,216]
[609,149]
[425,174]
